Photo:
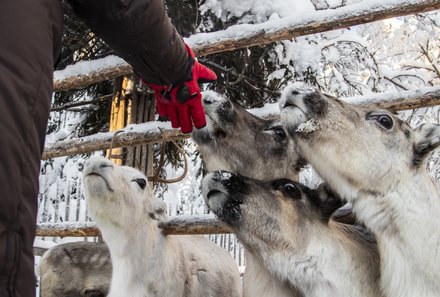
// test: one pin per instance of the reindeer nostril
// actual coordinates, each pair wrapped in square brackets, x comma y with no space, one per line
[294,92]
[105,165]
[287,104]
[94,293]
[207,101]
[216,176]
[213,193]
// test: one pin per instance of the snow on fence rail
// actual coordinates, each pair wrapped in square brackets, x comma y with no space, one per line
[83,74]
[176,225]
[152,132]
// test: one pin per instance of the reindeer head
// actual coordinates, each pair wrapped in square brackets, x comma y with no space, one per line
[119,195]
[236,140]
[268,215]
[355,148]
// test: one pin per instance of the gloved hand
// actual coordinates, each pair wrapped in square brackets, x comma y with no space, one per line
[182,102]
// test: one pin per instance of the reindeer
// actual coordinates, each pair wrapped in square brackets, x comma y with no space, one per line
[75,269]
[145,261]
[375,160]
[238,141]
[286,226]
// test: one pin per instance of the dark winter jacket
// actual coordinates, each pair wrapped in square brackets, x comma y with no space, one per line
[142,34]
[30,37]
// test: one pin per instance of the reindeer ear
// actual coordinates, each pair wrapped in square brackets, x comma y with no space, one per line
[426,138]
[159,210]
[330,201]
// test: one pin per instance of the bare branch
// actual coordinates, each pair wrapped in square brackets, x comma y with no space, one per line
[395,83]
[425,51]
[81,103]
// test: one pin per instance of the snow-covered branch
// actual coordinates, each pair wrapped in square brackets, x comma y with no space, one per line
[83,74]
[153,132]
[177,225]
[132,135]
[403,100]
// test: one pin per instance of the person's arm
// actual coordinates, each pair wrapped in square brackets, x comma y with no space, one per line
[141,32]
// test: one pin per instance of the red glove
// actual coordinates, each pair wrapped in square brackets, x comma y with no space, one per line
[182,103]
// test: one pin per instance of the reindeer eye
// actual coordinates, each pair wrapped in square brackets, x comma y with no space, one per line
[278,132]
[384,120]
[287,188]
[141,182]
[291,188]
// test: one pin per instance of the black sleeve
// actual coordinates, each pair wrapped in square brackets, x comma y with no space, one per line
[141,32]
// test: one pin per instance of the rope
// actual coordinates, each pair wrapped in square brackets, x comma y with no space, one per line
[155,177]
[110,155]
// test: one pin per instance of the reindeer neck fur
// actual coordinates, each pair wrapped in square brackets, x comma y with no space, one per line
[405,222]
[330,261]
[259,282]
[137,258]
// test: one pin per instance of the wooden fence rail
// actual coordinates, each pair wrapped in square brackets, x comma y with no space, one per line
[153,132]
[177,225]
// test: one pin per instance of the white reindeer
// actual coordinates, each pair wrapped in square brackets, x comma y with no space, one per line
[145,261]
[286,226]
[375,160]
[75,269]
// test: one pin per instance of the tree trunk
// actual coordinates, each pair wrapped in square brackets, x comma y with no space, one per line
[120,115]
[143,110]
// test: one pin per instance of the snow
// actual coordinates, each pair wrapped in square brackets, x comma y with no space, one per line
[193,218]
[260,8]
[84,67]
[150,127]
[392,96]
[225,175]
[308,127]
[44,244]
[267,110]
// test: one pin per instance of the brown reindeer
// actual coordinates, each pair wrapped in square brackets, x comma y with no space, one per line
[238,141]
[375,160]
[286,226]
